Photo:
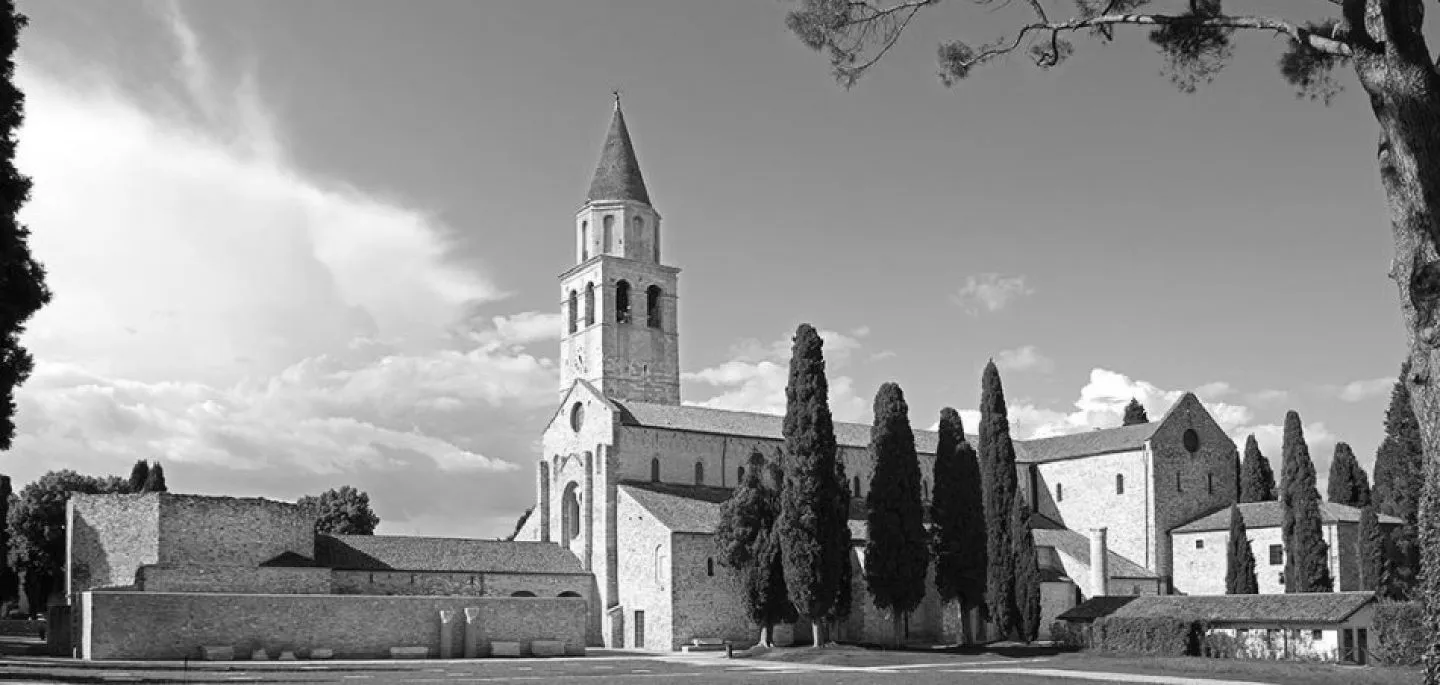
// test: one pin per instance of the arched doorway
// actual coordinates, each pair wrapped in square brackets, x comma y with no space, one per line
[570,514]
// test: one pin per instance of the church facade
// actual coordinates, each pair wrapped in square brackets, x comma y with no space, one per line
[632,479]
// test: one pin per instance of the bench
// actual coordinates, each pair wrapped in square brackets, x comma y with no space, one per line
[504,649]
[217,653]
[704,644]
[547,648]
[409,652]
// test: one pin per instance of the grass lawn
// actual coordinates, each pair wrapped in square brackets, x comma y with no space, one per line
[1283,672]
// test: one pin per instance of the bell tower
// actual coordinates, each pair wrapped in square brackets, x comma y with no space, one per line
[619,302]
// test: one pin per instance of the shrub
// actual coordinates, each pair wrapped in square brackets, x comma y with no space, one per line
[1158,636]
[1072,635]
[1399,637]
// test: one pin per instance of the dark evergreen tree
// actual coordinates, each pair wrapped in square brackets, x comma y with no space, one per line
[345,511]
[1348,483]
[1372,550]
[22,279]
[807,498]
[520,523]
[139,474]
[897,552]
[746,544]
[37,527]
[1398,479]
[155,480]
[957,510]
[1307,556]
[1257,481]
[1027,574]
[1239,560]
[1135,413]
[997,465]
[7,575]
[844,585]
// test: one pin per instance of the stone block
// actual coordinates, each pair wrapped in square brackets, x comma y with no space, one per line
[322,654]
[504,649]
[409,652]
[703,641]
[547,648]
[217,653]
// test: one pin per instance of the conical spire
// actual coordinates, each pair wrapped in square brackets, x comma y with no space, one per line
[618,175]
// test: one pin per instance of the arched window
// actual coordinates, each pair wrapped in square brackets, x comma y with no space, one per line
[584,240]
[710,566]
[1210,483]
[622,301]
[574,303]
[655,470]
[652,306]
[1059,492]
[1177,482]
[522,593]
[609,235]
[637,228]
[589,303]
[659,564]
[855,486]
[656,243]
[699,473]
[568,593]
[739,475]
[1119,483]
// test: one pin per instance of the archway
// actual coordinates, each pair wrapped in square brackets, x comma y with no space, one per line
[522,593]
[570,514]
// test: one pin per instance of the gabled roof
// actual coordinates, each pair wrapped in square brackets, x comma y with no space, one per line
[1302,608]
[1095,607]
[457,555]
[696,508]
[1078,546]
[288,560]
[1269,515]
[617,177]
[580,385]
[1103,441]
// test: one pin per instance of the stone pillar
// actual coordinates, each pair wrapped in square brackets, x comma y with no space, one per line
[587,513]
[1099,563]
[447,634]
[474,632]
[542,491]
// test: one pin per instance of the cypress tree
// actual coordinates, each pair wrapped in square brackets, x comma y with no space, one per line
[1398,479]
[8,586]
[1135,413]
[1373,548]
[139,473]
[1239,560]
[997,464]
[897,552]
[807,499]
[1307,556]
[840,611]
[746,544]
[1257,481]
[155,480]
[957,510]
[1027,574]
[1348,483]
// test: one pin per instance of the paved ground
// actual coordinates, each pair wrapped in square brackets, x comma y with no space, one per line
[667,669]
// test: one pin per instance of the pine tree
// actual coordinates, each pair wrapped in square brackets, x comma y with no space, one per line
[997,464]
[139,473]
[1348,483]
[1372,551]
[1307,556]
[957,510]
[746,544]
[155,480]
[807,499]
[897,552]
[1398,479]
[1239,559]
[1257,481]
[1027,574]
[1135,413]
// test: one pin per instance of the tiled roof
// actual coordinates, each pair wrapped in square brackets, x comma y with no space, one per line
[617,177]
[1303,608]
[1095,607]
[1104,441]
[1269,515]
[696,508]
[289,560]
[1078,546]
[462,555]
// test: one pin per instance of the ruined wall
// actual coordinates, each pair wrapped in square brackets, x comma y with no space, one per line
[232,531]
[109,537]
[1088,498]
[155,625]
[644,574]
[236,579]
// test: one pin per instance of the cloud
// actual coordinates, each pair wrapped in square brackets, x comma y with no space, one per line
[1359,391]
[755,376]
[1026,358]
[990,292]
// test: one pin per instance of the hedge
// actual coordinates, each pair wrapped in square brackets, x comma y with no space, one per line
[1399,637]
[1154,636]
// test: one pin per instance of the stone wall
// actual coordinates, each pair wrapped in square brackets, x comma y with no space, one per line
[232,531]
[1186,486]
[1055,599]
[706,599]
[436,583]
[1201,571]
[109,537]
[644,572]
[156,625]
[1088,499]
[235,579]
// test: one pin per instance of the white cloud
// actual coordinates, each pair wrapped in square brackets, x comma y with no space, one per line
[990,292]
[1026,358]
[1359,391]
[755,377]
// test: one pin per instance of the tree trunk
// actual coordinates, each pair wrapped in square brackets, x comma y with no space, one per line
[817,630]
[967,638]
[765,632]
[897,620]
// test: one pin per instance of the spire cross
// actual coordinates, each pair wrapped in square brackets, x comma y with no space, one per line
[616,93]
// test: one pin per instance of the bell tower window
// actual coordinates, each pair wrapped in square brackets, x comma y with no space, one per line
[699,473]
[652,306]
[589,304]
[573,304]
[608,236]
[622,302]
[655,470]
[584,240]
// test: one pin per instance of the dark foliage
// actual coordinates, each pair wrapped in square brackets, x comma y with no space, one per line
[1027,574]
[1168,636]
[957,509]
[345,511]
[1135,413]
[841,549]
[7,575]
[1239,559]
[997,466]
[897,552]
[1307,566]
[520,523]
[155,480]
[1398,478]
[1373,548]
[37,526]
[1257,481]
[1399,637]
[22,279]
[1311,71]
[139,474]
[746,543]
[1194,52]
[1348,483]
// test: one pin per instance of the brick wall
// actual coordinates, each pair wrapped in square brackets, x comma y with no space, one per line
[1089,499]
[644,574]
[154,625]
[236,579]
[231,530]
[109,537]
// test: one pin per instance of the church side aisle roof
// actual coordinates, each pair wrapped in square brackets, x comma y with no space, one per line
[692,508]
[454,555]
[1269,515]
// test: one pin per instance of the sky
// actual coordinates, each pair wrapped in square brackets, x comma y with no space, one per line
[299,245]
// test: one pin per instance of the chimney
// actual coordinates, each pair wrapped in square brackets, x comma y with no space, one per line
[1099,563]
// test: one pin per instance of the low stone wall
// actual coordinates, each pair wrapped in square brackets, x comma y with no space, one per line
[164,625]
[236,579]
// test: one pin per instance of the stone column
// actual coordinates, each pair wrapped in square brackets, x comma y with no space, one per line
[474,632]
[447,634]
[1099,563]
[542,491]
[587,514]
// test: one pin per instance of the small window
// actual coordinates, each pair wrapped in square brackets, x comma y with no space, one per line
[577,416]
[652,306]
[657,244]
[584,240]
[1119,483]
[589,304]
[1277,555]
[739,475]
[609,235]
[1059,492]
[1177,483]
[574,308]
[622,302]
[1210,483]
[710,567]
[472,580]
[1199,544]
[1135,590]
[699,473]
[655,470]
[1317,635]
[855,486]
